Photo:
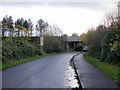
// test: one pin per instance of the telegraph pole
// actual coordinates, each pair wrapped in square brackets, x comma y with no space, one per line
[42,26]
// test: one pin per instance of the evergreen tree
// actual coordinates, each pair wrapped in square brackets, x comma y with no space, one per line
[30,24]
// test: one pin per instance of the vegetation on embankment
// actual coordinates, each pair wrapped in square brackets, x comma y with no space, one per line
[17,48]
[104,41]
[110,70]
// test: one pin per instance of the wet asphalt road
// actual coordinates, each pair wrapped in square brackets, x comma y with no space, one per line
[48,72]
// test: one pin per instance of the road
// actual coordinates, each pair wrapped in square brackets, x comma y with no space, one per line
[48,72]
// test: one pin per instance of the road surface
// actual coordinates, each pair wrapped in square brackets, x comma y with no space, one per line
[48,72]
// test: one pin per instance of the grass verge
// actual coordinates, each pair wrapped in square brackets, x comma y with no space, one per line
[110,70]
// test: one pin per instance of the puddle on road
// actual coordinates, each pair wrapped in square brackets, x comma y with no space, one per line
[70,78]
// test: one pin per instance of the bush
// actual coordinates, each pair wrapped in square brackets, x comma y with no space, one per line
[53,44]
[104,43]
[112,57]
[15,49]
[110,47]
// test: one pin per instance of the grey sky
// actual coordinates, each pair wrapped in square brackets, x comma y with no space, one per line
[91,5]
[59,0]
[71,16]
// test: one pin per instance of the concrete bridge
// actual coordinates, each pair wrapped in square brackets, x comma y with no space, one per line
[73,42]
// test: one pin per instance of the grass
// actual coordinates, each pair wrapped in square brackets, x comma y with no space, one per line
[24,60]
[110,70]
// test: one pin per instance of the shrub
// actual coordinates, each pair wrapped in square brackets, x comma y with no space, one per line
[15,49]
[53,44]
[110,47]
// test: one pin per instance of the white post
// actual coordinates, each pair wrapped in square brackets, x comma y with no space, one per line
[41,41]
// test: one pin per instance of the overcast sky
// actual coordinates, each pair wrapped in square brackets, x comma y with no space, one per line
[72,17]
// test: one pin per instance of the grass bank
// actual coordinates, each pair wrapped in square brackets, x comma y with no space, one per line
[24,60]
[110,70]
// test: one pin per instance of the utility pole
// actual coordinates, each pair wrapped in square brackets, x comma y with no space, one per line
[42,26]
